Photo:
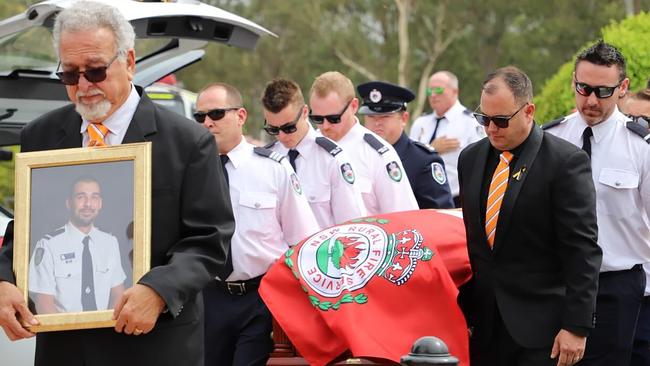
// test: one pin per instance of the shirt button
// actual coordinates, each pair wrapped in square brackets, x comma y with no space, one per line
[257,205]
[617,184]
[311,198]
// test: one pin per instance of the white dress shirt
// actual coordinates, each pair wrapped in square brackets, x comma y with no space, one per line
[381,177]
[118,122]
[270,208]
[620,163]
[332,191]
[459,124]
[55,267]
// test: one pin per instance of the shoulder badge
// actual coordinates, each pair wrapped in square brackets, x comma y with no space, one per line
[270,144]
[553,123]
[329,145]
[394,171]
[438,173]
[424,146]
[347,173]
[637,129]
[268,153]
[375,143]
[38,256]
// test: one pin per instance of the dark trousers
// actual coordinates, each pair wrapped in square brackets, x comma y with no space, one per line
[237,328]
[641,348]
[620,294]
[502,350]
[457,201]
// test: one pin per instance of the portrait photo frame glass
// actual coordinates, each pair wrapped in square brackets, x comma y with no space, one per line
[82,231]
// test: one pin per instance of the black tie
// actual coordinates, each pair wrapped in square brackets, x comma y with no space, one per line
[586,141]
[224,160]
[87,282]
[435,130]
[293,154]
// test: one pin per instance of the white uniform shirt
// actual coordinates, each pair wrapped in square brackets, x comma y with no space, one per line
[620,163]
[55,267]
[118,122]
[328,181]
[459,124]
[381,177]
[271,212]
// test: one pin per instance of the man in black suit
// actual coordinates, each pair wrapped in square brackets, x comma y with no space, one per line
[529,208]
[384,113]
[159,319]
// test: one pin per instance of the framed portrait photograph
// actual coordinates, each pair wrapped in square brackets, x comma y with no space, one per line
[82,231]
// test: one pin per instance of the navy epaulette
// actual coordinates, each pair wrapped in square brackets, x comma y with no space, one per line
[375,143]
[468,112]
[637,129]
[553,123]
[329,145]
[268,153]
[56,232]
[424,147]
[270,144]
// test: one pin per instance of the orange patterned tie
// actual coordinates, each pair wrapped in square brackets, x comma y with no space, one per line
[96,134]
[498,188]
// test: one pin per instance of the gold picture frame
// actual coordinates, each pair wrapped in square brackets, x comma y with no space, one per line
[47,217]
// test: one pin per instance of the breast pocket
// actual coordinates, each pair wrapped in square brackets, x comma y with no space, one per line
[68,278]
[616,191]
[258,211]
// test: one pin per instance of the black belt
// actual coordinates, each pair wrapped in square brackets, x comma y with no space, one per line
[240,287]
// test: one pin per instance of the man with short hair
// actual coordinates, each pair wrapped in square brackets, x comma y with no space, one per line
[529,208]
[637,107]
[384,113]
[324,169]
[62,274]
[620,162]
[159,321]
[272,214]
[450,128]
[378,169]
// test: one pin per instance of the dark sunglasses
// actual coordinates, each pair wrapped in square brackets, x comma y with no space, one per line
[289,127]
[601,92]
[92,74]
[332,118]
[214,114]
[499,121]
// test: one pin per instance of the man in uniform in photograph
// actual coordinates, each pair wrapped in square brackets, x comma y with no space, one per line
[324,169]
[384,113]
[272,214]
[620,163]
[450,128]
[378,169]
[78,266]
[159,320]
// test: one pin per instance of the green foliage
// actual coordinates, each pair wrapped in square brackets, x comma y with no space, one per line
[630,36]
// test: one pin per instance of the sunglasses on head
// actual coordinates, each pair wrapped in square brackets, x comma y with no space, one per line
[642,120]
[601,92]
[332,118]
[214,114]
[289,127]
[499,121]
[92,74]
[437,90]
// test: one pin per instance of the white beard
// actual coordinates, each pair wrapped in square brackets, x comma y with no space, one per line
[95,111]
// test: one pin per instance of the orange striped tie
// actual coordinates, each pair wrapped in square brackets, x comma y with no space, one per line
[498,188]
[96,134]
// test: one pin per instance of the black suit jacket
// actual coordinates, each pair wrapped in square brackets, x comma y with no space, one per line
[417,160]
[191,226]
[542,272]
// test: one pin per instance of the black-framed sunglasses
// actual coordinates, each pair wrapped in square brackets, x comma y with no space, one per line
[92,74]
[332,118]
[214,114]
[602,92]
[499,121]
[289,127]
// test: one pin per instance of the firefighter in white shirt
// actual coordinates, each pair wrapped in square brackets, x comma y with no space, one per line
[379,172]
[450,128]
[271,214]
[324,169]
